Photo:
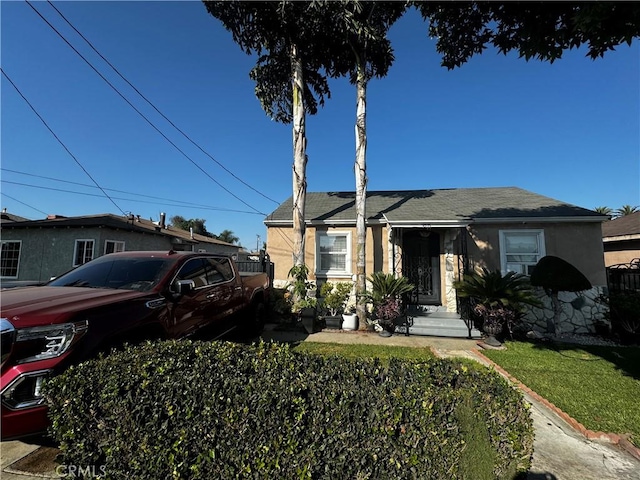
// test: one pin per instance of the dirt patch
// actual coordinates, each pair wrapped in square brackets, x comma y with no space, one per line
[41,462]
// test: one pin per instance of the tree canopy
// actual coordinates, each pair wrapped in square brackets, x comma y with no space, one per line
[196,223]
[542,30]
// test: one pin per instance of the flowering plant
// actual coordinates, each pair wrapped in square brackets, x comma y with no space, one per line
[388,309]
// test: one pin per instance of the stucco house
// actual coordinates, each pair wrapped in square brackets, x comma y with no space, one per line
[621,238]
[433,236]
[36,250]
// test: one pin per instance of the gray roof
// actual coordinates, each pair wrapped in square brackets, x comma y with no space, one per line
[451,205]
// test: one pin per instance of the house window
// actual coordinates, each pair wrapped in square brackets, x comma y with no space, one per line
[9,259]
[113,246]
[83,253]
[520,250]
[333,253]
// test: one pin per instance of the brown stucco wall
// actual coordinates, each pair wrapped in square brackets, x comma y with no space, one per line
[280,248]
[578,243]
[621,252]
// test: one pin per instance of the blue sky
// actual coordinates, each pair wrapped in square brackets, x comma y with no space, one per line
[569,130]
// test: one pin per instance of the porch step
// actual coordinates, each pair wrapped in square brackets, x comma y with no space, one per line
[441,324]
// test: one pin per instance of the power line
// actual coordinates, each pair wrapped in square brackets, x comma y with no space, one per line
[26,205]
[129,199]
[59,141]
[156,109]
[113,190]
[140,113]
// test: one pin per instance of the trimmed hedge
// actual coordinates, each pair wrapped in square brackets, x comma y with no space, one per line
[183,409]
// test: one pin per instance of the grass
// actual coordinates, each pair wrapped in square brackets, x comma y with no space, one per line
[383,352]
[598,386]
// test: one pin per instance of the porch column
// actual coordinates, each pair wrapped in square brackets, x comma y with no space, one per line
[449,238]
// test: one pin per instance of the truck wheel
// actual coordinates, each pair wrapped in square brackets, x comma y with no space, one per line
[257,318]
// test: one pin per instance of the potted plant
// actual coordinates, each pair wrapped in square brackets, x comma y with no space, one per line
[350,318]
[334,299]
[303,305]
[386,295]
[498,300]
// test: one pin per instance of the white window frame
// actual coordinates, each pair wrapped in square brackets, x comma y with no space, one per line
[118,246]
[539,233]
[19,242]
[334,273]
[75,250]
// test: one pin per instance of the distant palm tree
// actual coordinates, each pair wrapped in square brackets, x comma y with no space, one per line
[227,236]
[604,210]
[626,210]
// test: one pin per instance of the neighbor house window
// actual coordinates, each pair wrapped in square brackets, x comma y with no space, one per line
[113,246]
[9,259]
[333,253]
[83,253]
[520,250]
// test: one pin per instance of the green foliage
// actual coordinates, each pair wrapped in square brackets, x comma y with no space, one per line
[534,30]
[196,223]
[335,296]
[227,236]
[183,409]
[624,313]
[386,285]
[626,210]
[492,289]
[270,30]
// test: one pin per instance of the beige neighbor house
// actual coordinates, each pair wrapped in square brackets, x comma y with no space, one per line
[621,238]
[433,236]
[36,250]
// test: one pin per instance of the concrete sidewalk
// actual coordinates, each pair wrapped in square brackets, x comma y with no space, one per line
[561,452]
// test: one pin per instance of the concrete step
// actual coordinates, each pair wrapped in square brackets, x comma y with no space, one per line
[440,324]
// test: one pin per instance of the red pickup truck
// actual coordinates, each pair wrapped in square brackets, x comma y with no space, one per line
[116,298]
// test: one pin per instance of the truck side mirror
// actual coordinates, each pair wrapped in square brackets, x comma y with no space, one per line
[182,287]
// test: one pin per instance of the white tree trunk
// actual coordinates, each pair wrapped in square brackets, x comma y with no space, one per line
[361,196]
[299,159]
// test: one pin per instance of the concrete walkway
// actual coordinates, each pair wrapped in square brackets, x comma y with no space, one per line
[561,452]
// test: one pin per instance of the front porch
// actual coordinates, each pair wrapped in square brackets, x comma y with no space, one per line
[431,258]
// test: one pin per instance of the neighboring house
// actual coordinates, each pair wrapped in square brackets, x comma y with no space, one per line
[433,236]
[36,250]
[621,238]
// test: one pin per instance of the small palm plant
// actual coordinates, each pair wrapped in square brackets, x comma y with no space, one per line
[386,296]
[497,299]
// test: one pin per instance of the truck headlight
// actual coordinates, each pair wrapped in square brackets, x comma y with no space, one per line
[49,341]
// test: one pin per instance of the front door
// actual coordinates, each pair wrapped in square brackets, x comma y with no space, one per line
[421,265]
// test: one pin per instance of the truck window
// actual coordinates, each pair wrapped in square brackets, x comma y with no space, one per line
[220,270]
[194,269]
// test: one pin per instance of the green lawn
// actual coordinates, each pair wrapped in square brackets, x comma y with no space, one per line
[382,352]
[598,386]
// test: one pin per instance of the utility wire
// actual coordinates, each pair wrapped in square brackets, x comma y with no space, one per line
[128,199]
[113,190]
[157,110]
[16,200]
[140,113]
[59,141]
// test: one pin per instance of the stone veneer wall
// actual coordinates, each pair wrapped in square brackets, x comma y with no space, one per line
[577,316]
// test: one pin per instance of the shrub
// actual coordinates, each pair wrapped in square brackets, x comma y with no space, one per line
[183,409]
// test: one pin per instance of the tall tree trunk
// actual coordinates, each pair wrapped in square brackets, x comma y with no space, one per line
[299,159]
[360,168]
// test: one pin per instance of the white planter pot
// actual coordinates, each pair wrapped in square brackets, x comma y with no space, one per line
[349,321]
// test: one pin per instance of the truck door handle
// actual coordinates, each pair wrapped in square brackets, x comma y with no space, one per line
[213,295]
[238,288]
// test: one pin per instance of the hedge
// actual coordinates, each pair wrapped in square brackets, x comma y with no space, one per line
[196,410]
